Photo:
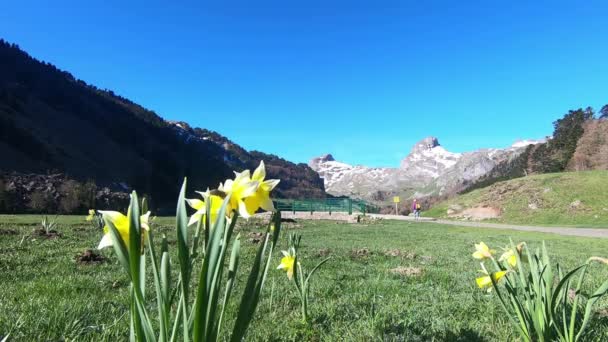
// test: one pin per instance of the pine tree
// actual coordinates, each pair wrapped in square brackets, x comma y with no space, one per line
[604,112]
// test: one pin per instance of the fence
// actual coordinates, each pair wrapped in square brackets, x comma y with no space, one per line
[325,205]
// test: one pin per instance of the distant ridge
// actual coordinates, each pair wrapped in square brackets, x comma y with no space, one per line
[428,170]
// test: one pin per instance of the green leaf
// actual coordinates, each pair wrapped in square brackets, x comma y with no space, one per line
[207,290]
[181,224]
[315,269]
[161,298]
[256,280]
[601,291]
[232,269]
[134,239]
[561,287]
[119,247]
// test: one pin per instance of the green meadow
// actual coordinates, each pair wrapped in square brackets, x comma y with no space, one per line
[385,281]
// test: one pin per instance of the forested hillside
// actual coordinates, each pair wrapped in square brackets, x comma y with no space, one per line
[51,122]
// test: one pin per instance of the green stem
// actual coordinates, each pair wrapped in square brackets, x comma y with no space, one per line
[303,294]
[575,305]
[304,307]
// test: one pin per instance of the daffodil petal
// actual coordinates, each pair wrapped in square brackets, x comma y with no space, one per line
[260,172]
[195,203]
[114,216]
[269,185]
[144,220]
[239,176]
[483,281]
[266,204]
[106,241]
[206,193]
[227,186]
[478,255]
[249,189]
[197,216]
[243,209]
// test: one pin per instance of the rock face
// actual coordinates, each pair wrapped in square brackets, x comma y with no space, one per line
[428,160]
[18,191]
[428,170]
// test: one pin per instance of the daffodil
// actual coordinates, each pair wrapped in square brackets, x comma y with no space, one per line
[121,222]
[287,262]
[486,281]
[261,198]
[239,189]
[91,215]
[509,257]
[201,207]
[482,251]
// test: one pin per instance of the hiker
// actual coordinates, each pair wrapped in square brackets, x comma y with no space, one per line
[416,208]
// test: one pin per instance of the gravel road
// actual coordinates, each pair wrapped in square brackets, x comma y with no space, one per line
[569,231]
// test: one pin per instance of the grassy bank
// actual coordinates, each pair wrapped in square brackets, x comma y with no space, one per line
[47,295]
[576,199]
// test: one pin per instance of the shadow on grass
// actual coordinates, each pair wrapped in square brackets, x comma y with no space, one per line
[409,333]
[464,335]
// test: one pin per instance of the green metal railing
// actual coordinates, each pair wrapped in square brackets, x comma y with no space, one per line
[330,205]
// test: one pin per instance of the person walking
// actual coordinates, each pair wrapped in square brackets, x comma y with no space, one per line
[416,209]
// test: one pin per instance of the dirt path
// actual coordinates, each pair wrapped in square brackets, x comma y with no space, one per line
[584,232]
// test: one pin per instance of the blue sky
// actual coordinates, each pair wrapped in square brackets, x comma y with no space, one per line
[363,80]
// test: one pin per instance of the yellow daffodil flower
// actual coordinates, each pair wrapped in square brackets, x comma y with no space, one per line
[510,257]
[240,188]
[201,207]
[91,215]
[482,251]
[485,281]
[287,263]
[121,222]
[261,198]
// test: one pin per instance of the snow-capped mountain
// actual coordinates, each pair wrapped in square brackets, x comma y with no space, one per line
[429,169]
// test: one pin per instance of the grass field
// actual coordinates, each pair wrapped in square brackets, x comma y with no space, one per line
[575,199]
[45,295]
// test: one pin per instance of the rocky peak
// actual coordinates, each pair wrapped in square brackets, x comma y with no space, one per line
[425,144]
[429,158]
[326,158]
[315,162]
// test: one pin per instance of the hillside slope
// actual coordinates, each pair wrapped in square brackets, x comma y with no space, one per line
[592,148]
[570,198]
[52,122]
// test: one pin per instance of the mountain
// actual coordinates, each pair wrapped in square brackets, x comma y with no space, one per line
[428,170]
[51,122]
[579,142]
